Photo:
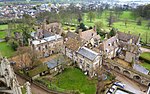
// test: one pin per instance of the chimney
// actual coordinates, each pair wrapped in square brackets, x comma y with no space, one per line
[94,28]
[55,37]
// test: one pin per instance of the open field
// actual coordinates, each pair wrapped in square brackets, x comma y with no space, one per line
[3,27]
[120,25]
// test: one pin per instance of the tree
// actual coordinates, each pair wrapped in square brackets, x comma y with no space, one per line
[139,21]
[112,32]
[82,26]
[125,22]
[91,16]
[99,25]
[13,43]
[148,24]
[118,11]
[111,19]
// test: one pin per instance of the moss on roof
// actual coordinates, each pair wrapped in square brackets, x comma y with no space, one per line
[38,70]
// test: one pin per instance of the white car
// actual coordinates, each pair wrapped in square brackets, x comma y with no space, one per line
[119,84]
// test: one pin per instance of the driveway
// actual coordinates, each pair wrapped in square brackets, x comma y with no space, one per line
[35,89]
[131,85]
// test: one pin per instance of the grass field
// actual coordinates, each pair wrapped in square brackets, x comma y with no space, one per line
[131,24]
[2,34]
[6,50]
[145,59]
[3,27]
[145,65]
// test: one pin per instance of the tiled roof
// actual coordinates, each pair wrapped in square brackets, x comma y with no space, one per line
[87,35]
[91,55]
[72,35]
[72,44]
[126,37]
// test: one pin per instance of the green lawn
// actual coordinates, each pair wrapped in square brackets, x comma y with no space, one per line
[145,56]
[2,34]
[146,65]
[74,79]
[3,27]
[145,59]
[6,50]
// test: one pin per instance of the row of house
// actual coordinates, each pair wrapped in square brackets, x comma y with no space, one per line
[87,50]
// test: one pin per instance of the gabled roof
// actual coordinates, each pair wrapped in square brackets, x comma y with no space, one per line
[87,35]
[91,55]
[126,37]
[72,35]
[72,44]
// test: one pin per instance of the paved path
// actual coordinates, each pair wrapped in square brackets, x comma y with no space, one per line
[145,49]
[131,85]
[35,89]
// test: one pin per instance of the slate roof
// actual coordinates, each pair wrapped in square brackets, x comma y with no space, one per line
[140,69]
[91,55]
[54,62]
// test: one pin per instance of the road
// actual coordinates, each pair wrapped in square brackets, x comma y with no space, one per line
[35,89]
[131,85]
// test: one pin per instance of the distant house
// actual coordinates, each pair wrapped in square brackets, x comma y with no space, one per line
[88,60]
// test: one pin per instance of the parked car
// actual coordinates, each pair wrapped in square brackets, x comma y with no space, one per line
[119,84]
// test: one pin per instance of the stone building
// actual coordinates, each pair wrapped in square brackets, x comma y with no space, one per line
[90,37]
[8,80]
[47,40]
[88,60]
[122,45]
[47,45]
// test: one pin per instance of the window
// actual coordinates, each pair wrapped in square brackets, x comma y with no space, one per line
[88,65]
[39,48]
[109,44]
[46,46]
[80,61]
